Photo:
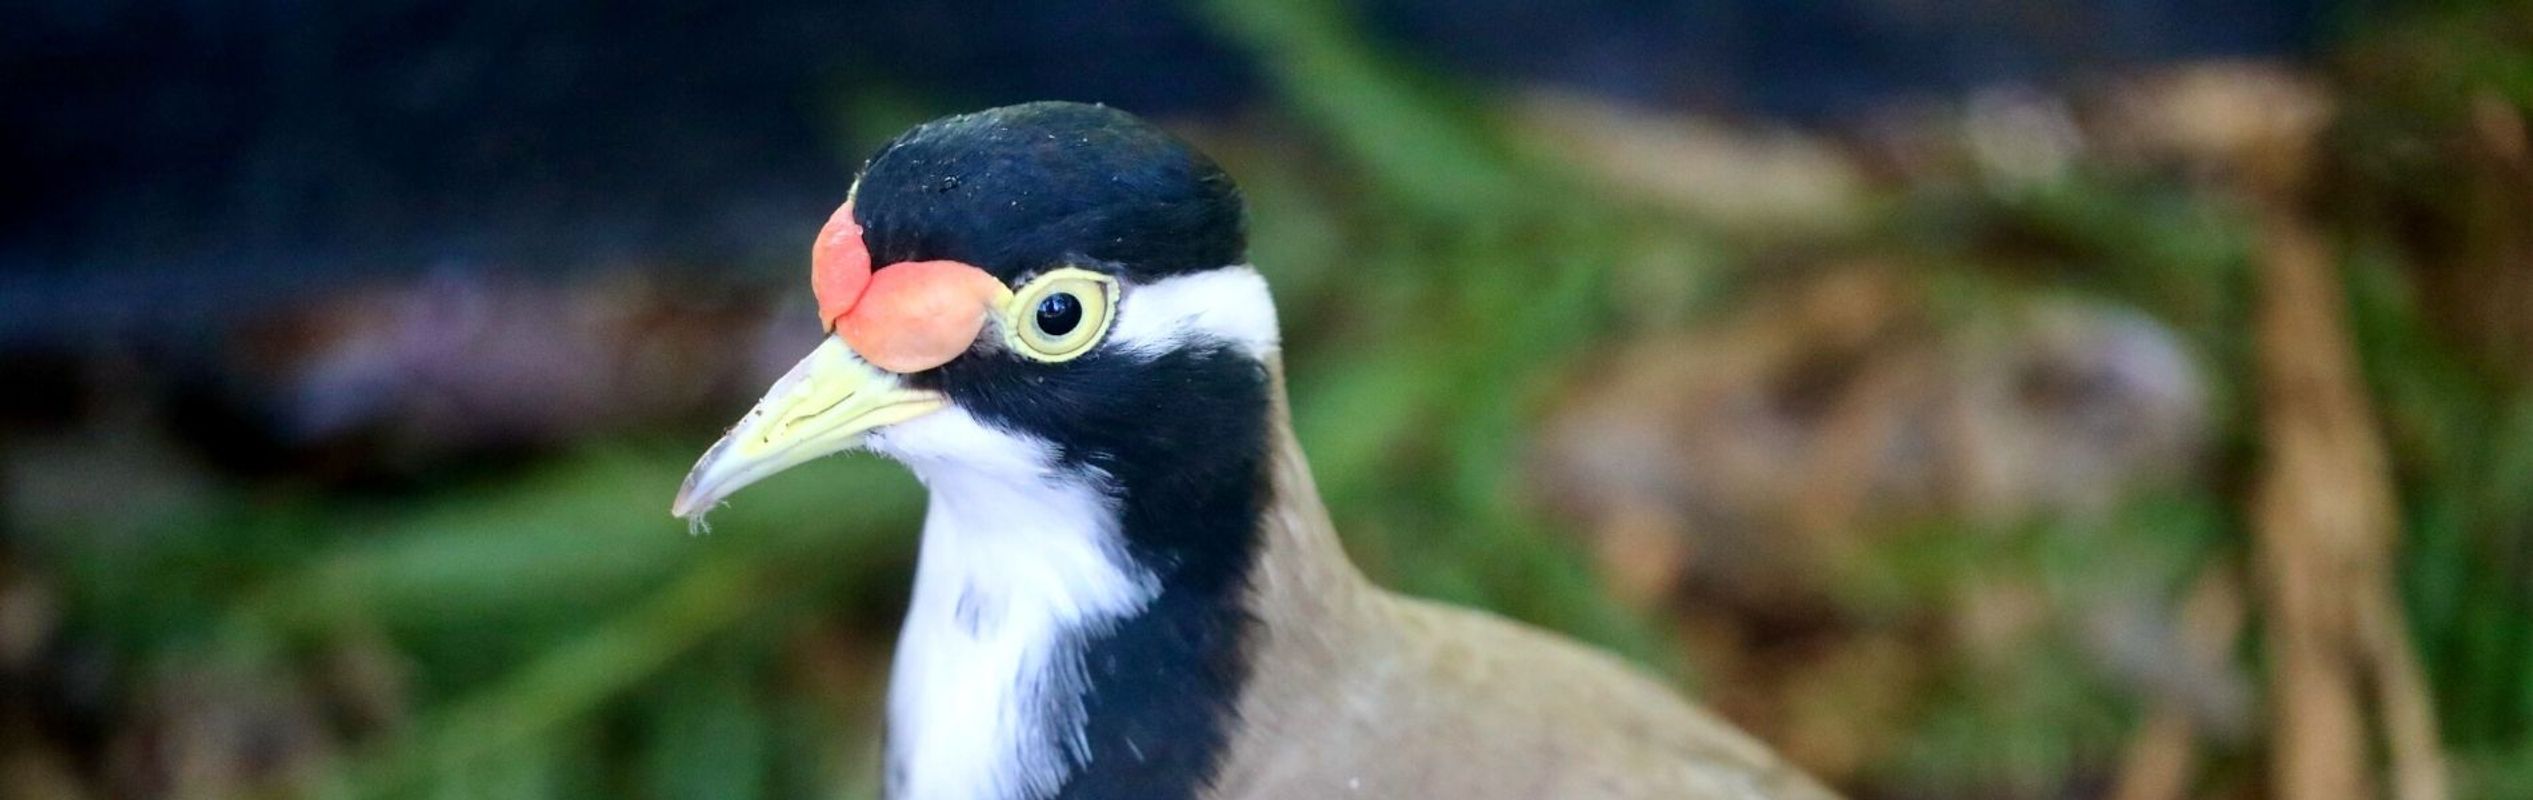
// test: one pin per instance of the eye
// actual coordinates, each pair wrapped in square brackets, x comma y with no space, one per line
[1061,315]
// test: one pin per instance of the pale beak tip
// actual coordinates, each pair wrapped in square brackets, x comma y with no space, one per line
[692,500]
[693,496]
[691,508]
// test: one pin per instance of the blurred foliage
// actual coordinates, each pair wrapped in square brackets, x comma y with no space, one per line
[551,634]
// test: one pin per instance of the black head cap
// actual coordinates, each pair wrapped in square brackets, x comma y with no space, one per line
[1025,188]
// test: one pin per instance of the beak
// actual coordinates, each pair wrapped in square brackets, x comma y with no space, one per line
[823,406]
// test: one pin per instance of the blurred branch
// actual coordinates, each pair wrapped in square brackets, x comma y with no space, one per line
[2324,520]
[2402,698]
[2321,518]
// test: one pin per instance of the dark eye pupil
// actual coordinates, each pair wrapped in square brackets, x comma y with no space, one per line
[1059,314]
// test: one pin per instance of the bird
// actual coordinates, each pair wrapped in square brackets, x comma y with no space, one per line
[1127,585]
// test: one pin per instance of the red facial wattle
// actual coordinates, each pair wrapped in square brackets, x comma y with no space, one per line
[908,317]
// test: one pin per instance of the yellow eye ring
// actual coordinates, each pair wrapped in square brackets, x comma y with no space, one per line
[1060,315]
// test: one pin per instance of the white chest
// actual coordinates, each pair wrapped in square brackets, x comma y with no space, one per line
[985,698]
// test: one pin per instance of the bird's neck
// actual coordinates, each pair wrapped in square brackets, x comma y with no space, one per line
[1072,639]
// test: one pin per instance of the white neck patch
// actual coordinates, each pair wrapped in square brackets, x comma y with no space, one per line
[1017,566]
[1231,305]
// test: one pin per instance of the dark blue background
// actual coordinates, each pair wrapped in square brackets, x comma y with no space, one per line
[158,152]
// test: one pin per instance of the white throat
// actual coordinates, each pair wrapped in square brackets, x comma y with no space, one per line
[1016,569]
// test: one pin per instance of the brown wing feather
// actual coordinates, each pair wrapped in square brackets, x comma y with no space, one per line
[1358,692]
